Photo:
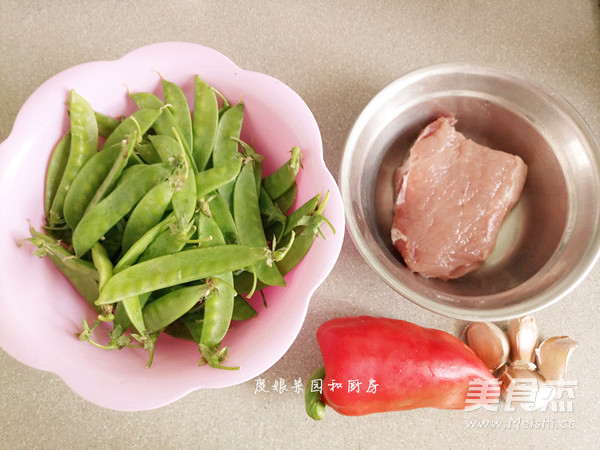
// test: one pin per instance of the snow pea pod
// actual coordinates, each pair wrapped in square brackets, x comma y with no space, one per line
[218,310]
[147,152]
[140,245]
[167,148]
[244,283]
[249,152]
[140,120]
[242,310]
[301,215]
[106,124]
[130,173]
[102,263]
[84,144]
[288,198]
[147,100]
[184,198]
[56,168]
[88,181]
[179,268]
[167,309]
[283,178]
[209,231]
[123,310]
[193,323]
[222,215]
[100,219]
[204,122]
[117,168]
[274,217]
[301,245]
[133,309]
[225,149]
[166,243]
[180,108]
[218,305]
[165,123]
[211,179]
[246,213]
[147,213]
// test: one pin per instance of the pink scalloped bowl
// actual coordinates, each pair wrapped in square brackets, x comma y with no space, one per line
[41,311]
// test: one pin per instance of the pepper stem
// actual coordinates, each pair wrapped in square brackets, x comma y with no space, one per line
[315,408]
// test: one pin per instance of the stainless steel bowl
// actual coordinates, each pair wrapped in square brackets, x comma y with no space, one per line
[548,242]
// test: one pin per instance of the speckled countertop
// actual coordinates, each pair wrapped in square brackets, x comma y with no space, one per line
[336,55]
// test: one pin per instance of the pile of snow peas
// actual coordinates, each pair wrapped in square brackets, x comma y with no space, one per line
[163,221]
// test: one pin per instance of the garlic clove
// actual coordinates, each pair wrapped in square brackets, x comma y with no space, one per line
[526,388]
[553,356]
[523,337]
[489,343]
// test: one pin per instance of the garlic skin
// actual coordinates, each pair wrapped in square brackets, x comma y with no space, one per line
[553,356]
[489,343]
[526,388]
[523,337]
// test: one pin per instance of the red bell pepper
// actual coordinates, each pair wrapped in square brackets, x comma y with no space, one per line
[375,364]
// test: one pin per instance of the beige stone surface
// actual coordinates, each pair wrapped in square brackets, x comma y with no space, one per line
[336,55]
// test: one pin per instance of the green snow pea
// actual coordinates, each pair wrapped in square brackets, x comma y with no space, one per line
[122,322]
[242,310]
[218,310]
[218,305]
[116,170]
[180,108]
[166,309]
[304,241]
[140,245]
[166,243]
[283,178]
[84,144]
[102,263]
[100,219]
[184,198]
[56,168]
[106,124]
[246,213]
[147,213]
[275,218]
[300,216]
[222,215]
[193,323]
[215,177]
[90,178]
[139,121]
[147,152]
[225,148]
[179,268]
[204,122]
[286,200]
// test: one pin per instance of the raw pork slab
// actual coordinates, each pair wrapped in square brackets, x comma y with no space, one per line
[452,196]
